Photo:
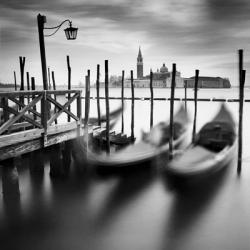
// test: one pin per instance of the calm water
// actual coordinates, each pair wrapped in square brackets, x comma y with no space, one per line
[136,210]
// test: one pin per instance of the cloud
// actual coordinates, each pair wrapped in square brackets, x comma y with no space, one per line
[195,31]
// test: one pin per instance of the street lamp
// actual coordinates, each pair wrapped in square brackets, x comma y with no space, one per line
[70,32]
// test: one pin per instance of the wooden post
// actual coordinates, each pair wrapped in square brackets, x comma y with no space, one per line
[185,87]
[79,115]
[241,98]
[41,20]
[49,79]
[3,104]
[107,105]
[87,104]
[98,94]
[195,103]
[44,116]
[151,100]
[15,80]
[172,112]
[28,85]
[54,87]
[10,182]
[22,64]
[33,87]
[132,106]
[69,83]
[122,97]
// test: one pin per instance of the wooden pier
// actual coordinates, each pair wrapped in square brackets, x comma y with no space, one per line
[24,128]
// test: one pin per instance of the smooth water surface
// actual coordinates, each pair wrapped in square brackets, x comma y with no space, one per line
[134,210]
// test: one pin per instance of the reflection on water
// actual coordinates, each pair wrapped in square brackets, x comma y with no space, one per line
[138,210]
[132,210]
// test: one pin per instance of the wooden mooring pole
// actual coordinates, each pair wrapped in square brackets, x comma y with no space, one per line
[151,100]
[172,112]
[33,87]
[195,103]
[87,104]
[28,84]
[49,82]
[69,83]
[107,105]
[242,74]
[122,98]
[15,80]
[22,64]
[54,87]
[98,94]
[132,106]
[185,88]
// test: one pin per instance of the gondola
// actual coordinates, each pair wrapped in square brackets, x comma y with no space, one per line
[213,148]
[154,143]
[113,116]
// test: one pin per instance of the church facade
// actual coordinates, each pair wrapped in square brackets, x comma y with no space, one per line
[161,78]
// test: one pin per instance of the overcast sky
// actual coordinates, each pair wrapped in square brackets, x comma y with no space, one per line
[194,34]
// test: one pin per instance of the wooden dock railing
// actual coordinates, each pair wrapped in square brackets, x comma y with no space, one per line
[24,128]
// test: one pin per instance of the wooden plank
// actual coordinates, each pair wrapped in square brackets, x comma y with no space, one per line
[60,107]
[29,146]
[23,105]
[20,114]
[18,137]
[49,92]
[64,107]
[25,117]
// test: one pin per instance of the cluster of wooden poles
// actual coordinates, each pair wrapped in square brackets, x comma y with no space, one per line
[242,74]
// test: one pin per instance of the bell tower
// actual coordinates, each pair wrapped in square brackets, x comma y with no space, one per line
[139,65]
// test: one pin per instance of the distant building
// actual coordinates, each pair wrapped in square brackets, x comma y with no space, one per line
[139,65]
[161,78]
[208,82]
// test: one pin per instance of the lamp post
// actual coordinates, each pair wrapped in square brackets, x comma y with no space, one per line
[70,33]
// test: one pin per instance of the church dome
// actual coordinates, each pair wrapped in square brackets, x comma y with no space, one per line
[163,69]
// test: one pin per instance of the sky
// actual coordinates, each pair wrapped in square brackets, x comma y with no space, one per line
[194,34]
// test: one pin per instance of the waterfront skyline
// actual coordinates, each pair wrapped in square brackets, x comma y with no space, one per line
[197,34]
